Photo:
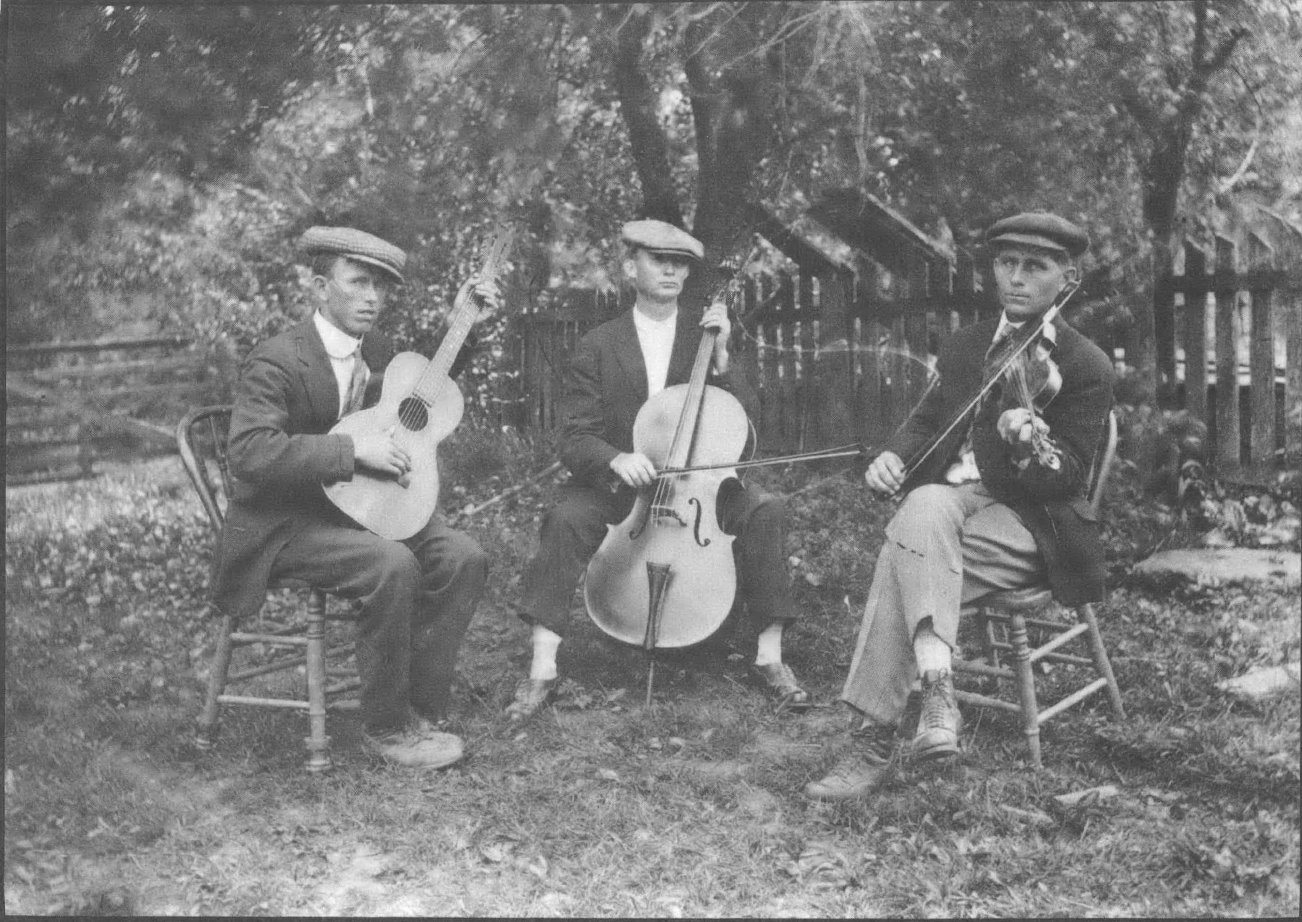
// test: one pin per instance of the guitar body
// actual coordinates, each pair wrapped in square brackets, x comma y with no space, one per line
[382,503]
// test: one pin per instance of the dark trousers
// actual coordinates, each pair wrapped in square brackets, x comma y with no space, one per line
[417,596]
[575,525]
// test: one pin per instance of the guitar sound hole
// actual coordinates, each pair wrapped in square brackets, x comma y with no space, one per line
[413,414]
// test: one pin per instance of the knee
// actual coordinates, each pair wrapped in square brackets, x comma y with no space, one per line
[566,521]
[395,564]
[467,559]
[927,502]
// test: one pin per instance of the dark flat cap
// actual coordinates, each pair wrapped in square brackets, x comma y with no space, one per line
[662,237]
[355,244]
[1039,229]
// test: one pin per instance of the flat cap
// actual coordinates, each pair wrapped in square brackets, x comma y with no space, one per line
[662,237]
[355,244]
[1039,229]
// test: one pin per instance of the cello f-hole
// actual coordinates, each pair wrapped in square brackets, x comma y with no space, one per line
[696,524]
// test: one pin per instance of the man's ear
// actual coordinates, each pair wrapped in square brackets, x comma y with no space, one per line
[630,269]
[1072,273]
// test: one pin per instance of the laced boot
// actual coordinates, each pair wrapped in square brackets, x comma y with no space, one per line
[940,721]
[858,775]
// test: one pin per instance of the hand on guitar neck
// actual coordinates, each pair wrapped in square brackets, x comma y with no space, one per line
[377,451]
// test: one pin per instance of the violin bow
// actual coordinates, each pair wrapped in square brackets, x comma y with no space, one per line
[1028,335]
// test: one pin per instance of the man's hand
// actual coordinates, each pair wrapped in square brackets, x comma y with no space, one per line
[377,451]
[886,474]
[1019,426]
[634,468]
[487,295]
[716,318]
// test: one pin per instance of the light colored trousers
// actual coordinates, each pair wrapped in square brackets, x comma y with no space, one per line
[946,547]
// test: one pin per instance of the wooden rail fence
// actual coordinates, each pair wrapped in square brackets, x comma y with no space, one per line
[72,404]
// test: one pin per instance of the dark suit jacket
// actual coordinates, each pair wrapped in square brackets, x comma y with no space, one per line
[606,386]
[1050,502]
[281,453]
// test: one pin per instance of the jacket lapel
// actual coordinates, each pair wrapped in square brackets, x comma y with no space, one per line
[318,374]
[628,353]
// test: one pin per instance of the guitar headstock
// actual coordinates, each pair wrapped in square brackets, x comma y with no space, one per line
[497,251]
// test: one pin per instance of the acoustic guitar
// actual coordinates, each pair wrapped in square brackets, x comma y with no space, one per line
[419,406]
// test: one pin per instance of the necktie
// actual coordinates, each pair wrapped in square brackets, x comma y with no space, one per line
[356,386]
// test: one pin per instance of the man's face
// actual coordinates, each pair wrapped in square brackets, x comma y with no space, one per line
[1028,279]
[657,276]
[352,294]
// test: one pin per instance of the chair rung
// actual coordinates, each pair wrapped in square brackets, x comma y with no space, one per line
[995,672]
[968,697]
[1065,637]
[277,666]
[1068,659]
[263,702]
[1074,698]
[241,637]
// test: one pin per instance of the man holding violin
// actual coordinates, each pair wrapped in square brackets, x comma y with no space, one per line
[617,367]
[996,501]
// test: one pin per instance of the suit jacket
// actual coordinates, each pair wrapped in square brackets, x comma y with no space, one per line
[281,453]
[1050,502]
[606,385]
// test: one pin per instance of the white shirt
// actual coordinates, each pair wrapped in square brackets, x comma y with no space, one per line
[657,340]
[343,352]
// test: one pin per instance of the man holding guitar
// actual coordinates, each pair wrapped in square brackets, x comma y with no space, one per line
[992,512]
[418,595]
[616,368]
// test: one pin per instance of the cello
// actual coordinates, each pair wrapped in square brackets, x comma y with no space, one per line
[420,405]
[664,577]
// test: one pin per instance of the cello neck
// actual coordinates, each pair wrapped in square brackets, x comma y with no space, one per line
[680,449]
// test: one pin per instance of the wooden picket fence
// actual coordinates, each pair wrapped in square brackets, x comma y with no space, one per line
[72,404]
[1229,336]
[831,359]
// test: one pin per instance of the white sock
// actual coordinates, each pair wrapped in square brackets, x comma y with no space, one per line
[545,644]
[932,653]
[768,647]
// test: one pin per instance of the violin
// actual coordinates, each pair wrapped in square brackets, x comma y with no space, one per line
[1024,372]
[664,577]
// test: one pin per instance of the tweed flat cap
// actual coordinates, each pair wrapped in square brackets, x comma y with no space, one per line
[662,237]
[355,244]
[1039,229]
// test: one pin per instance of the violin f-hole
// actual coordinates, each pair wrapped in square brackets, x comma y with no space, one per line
[696,525]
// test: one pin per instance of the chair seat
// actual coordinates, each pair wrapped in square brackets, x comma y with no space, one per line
[1027,599]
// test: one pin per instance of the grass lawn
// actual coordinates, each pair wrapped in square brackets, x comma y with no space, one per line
[601,806]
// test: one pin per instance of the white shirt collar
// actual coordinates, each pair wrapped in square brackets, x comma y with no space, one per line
[338,344]
[642,321]
[1050,331]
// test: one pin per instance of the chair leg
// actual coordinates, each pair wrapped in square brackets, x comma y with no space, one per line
[1101,661]
[206,724]
[318,744]
[1026,686]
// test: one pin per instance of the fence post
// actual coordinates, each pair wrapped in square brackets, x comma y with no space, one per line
[1195,330]
[1229,328]
[1291,308]
[1262,357]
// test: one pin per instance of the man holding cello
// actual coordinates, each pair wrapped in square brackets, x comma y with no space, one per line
[995,500]
[617,367]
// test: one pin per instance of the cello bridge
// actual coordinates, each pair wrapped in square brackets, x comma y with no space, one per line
[661,513]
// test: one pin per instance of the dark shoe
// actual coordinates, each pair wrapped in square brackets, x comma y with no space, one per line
[859,775]
[940,722]
[530,695]
[780,684]
[414,749]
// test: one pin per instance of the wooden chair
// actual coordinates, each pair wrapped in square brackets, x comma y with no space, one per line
[201,438]
[1022,613]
